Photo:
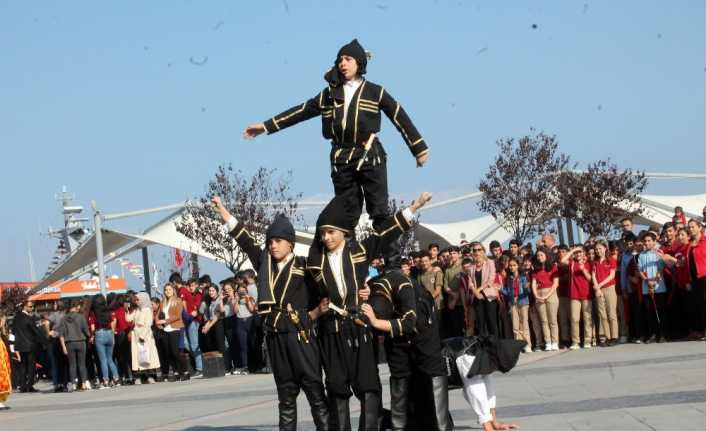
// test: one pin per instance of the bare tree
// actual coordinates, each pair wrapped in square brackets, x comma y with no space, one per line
[598,197]
[519,189]
[255,201]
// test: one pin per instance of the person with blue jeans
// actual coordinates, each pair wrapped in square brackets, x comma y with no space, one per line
[105,341]
[192,298]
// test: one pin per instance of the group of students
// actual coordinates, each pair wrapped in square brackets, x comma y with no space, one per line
[644,288]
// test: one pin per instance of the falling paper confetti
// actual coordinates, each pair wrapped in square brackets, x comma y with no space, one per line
[534,25]
[482,50]
[218,25]
[198,61]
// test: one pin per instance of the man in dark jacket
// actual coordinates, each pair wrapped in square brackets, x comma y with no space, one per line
[27,339]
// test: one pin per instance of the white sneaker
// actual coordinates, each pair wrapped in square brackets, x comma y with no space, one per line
[138,381]
[548,347]
[587,346]
[87,385]
[527,349]
[574,347]
[150,381]
[555,347]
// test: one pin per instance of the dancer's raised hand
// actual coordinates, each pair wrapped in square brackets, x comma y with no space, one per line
[420,201]
[254,130]
[422,159]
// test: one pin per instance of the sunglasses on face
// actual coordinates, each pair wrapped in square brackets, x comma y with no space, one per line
[477,250]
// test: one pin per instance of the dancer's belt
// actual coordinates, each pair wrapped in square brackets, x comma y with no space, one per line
[355,315]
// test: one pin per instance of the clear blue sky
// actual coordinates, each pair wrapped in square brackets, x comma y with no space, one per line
[103,97]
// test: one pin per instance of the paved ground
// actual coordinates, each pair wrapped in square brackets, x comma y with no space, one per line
[628,387]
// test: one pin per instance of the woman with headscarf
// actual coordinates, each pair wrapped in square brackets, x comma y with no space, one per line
[145,359]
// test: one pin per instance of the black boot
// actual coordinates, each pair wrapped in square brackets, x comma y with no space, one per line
[287,394]
[399,389]
[319,409]
[369,412]
[440,391]
[339,414]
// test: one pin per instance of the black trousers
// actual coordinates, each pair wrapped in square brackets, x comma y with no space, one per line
[215,339]
[654,314]
[123,355]
[349,361]
[296,366]
[487,317]
[76,352]
[452,322]
[160,340]
[638,328]
[698,304]
[26,370]
[174,358]
[370,183]
[677,306]
[231,354]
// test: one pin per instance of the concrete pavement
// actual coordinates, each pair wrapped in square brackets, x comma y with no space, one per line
[627,387]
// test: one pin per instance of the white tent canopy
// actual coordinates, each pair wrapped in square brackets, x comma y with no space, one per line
[658,209]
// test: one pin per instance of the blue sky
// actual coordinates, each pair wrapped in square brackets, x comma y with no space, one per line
[134,104]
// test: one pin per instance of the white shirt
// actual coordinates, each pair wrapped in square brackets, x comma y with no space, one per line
[335,259]
[349,89]
[165,310]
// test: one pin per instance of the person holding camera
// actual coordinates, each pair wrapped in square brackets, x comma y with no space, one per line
[244,308]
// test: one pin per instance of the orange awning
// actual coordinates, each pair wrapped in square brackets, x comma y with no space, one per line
[70,289]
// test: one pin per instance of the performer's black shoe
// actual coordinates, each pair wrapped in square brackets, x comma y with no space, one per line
[339,414]
[287,407]
[399,390]
[440,389]
[319,409]
[369,412]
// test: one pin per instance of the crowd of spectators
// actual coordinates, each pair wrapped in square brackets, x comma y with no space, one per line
[645,287]
[98,342]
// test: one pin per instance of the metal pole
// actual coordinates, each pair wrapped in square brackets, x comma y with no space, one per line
[146,271]
[570,231]
[560,230]
[97,221]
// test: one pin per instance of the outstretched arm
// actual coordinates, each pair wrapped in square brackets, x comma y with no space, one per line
[404,125]
[237,230]
[393,227]
[309,109]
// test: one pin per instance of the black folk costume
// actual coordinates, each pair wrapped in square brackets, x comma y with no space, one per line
[286,293]
[348,127]
[346,341]
[418,375]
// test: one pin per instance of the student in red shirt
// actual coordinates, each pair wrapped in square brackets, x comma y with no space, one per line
[191,298]
[580,295]
[545,282]
[603,277]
